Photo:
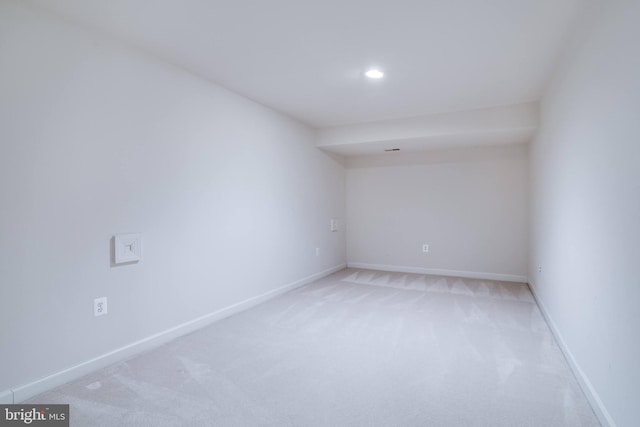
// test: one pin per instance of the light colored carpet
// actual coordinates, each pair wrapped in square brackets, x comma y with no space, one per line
[357,348]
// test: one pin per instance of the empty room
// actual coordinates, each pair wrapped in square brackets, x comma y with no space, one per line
[320,213]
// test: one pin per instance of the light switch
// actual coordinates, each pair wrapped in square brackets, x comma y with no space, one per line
[334,224]
[128,248]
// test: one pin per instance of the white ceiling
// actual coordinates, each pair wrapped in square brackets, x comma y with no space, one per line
[512,124]
[306,58]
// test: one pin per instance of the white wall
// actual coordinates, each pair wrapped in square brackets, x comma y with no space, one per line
[507,124]
[231,197]
[585,210]
[469,205]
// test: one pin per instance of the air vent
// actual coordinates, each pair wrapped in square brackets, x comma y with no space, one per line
[392,149]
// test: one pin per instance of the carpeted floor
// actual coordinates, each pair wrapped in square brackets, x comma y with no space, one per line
[357,348]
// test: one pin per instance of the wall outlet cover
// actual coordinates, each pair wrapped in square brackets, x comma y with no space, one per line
[100,306]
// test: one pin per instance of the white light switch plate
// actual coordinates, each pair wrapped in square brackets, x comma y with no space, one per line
[128,248]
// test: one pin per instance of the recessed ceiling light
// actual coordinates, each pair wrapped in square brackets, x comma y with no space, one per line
[374,73]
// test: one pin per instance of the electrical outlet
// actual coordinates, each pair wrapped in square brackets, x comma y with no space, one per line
[317,251]
[539,269]
[425,248]
[100,306]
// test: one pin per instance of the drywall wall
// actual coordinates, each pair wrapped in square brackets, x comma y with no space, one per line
[231,198]
[469,206]
[585,208]
[507,124]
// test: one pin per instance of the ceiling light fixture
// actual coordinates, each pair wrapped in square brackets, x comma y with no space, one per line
[374,73]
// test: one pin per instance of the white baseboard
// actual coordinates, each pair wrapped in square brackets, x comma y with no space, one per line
[596,404]
[6,397]
[27,391]
[440,272]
